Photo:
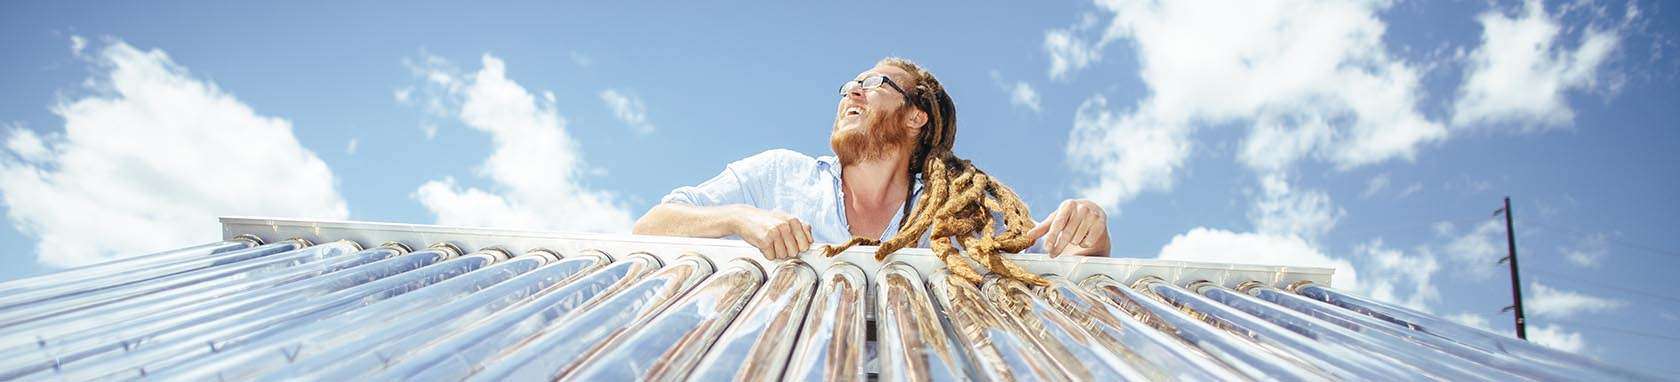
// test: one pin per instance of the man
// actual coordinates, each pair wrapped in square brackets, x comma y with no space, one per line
[893,133]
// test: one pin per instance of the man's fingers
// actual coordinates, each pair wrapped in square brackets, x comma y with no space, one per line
[1050,234]
[1087,231]
[1071,223]
[772,249]
[1038,231]
[768,250]
[803,233]
[790,244]
[1078,236]
[1058,223]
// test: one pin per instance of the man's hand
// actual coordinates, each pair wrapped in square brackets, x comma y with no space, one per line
[1079,227]
[778,235]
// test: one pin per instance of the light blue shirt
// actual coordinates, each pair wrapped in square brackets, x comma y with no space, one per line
[791,183]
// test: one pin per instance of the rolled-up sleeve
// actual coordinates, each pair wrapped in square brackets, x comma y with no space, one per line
[747,181]
[724,189]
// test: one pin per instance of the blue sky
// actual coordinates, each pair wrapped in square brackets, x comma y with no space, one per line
[1377,138]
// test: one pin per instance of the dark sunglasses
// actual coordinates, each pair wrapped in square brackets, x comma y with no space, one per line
[870,82]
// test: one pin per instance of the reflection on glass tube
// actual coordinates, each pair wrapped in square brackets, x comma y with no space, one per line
[1447,368]
[93,274]
[151,305]
[133,334]
[995,351]
[831,344]
[441,308]
[1345,363]
[172,347]
[51,291]
[556,350]
[913,344]
[1256,363]
[456,355]
[667,347]
[757,345]
[1151,352]
[1473,337]
[255,268]
[1058,337]
[1375,327]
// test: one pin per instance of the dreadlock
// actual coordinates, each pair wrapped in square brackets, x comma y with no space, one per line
[957,200]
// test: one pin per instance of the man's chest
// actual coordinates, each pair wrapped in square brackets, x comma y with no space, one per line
[868,222]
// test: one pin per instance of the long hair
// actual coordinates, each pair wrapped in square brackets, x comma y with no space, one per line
[958,200]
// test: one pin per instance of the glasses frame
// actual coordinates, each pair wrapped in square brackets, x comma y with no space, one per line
[871,82]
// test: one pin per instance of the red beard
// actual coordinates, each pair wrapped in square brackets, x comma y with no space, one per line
[877,138]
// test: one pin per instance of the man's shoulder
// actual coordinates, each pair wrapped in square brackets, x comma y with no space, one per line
[781,156]
[777,160]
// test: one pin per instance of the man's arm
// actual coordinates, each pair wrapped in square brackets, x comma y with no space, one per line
[675,219]
[778,235]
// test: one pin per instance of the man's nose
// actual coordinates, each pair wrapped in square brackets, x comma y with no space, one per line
[856,93]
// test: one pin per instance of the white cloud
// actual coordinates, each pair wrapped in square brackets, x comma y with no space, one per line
[1549,335]
[429,129]
[402,95]
[1443,228]
[1308,77]
[1279,210]
[1467,185]
[1124,154]
[1556,337]
[581,60]
[1477,252]
[629,109]
[1520,73]
[155,147]
[1395,277]
[1412,189]
[1068,51]
[536,166]
[350,148]
[1546,301]
[1216,245]
[1021,93]
[77,44]
[1587,251]
[1312,76]
[27,145]
[1470,319]
[1374,185]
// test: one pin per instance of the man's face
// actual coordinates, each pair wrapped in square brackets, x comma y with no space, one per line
[870,123]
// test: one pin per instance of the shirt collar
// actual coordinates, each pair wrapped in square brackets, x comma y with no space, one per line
[831,165]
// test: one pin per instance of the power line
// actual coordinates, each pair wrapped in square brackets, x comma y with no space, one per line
[1408,226]
[1634,333]
[1598,284]
[1642,247]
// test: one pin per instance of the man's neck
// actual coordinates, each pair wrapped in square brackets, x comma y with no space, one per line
[877,184]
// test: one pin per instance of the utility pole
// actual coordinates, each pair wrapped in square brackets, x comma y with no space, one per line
[1516,284]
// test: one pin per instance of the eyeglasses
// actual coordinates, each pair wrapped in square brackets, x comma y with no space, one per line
[870,82]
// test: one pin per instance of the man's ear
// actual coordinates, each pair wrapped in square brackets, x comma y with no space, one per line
[916,118]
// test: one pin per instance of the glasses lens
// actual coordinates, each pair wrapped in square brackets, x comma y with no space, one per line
[872,82]
[865,84]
